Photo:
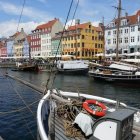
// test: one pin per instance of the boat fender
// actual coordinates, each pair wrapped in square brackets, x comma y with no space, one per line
[94,112]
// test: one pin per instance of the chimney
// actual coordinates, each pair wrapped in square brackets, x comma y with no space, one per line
[126,14]
[22,30]
[77,21]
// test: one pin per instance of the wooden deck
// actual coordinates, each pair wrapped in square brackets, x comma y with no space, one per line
[57,131]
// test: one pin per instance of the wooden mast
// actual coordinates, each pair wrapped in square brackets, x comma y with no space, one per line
[118,27]
[29,54]
[103,28]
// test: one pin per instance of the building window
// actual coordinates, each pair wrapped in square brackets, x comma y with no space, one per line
[132,39]
[114,32]
[120,40]
[126,39]
[114,40]
[138,38]
[95,45]
[109,32]
[126,31]
[78,44]
[109,41]
[121,31]
[133,29]
[72,45]
[138,27]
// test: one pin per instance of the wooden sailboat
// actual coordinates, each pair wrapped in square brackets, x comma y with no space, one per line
[117,71]
[26,66]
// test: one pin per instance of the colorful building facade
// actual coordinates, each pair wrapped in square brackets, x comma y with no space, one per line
[83,40]
[41,38]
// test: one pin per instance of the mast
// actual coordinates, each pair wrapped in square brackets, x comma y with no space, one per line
[118,27]
[103,28]
[29,54]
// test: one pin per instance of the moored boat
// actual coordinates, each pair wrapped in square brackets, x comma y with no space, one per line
[25,67]
[73,67]
[61,116]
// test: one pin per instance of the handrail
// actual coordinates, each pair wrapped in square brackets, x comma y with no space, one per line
[40,125]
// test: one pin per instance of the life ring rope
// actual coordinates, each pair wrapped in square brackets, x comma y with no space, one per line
[94,112]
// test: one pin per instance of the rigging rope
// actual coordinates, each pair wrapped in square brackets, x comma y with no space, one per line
[53,62]
[19,109]
[21,98]
[23,5]
[74,12]
[27,126]
[27,106]
[59,46]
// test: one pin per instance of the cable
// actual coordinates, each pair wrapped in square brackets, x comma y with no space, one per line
[57,50]
[21,98]
[17,110]
[23,5]
[75,11]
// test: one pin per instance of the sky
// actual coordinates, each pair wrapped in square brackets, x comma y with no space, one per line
[37,12]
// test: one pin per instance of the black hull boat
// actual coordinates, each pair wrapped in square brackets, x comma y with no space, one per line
[75,116]
[26,67]
[120,77]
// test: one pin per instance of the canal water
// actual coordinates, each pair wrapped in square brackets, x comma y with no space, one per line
[21,124]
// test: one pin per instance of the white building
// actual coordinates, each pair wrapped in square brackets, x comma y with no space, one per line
[129,34]
[46,45]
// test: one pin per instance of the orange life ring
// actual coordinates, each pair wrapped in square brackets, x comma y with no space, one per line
[97,113]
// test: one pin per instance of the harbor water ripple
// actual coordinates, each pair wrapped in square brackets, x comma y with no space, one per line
[21,125]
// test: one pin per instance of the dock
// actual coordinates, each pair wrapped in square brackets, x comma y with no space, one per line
[7,64]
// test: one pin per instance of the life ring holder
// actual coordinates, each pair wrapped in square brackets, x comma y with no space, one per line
[93,112]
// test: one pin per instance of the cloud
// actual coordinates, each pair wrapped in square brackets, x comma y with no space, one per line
[42,1]
[28,12]
[90,13]
[70,23]
[8,28]
[95,23]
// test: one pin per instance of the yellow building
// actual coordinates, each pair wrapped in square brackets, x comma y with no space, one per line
[83,40]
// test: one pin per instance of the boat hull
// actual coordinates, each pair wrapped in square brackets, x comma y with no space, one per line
[124,79]
[51,127]
[26,68]
[73,71]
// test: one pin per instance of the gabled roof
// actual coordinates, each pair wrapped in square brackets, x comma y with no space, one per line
[98,29]
[47,25]
[133,19]
[78,26]
[15,34]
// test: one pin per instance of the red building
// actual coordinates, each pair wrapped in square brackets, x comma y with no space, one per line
[3,49]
